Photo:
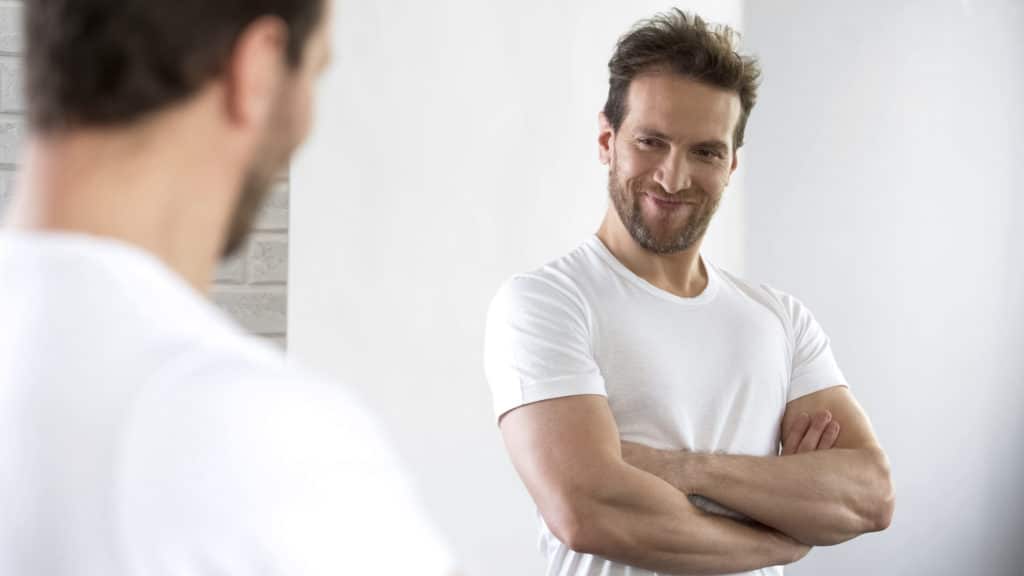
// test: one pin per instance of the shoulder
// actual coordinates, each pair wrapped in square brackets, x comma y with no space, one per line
[227,427]
[559,284]
[765,295]
[787,308]
[236,457]
[243,383]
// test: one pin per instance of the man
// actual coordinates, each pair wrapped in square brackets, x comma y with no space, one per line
[141,432]
[632,374]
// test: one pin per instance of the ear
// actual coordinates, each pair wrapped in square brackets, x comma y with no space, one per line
[255,72]
[605,139]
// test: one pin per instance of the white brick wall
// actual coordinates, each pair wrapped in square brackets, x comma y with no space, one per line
[252,287]
[10,27]
[12,125]
[6,189]
[12,131]
[11,99]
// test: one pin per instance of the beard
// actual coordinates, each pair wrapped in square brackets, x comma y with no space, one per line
[660,237]
[255,189]
[280,142]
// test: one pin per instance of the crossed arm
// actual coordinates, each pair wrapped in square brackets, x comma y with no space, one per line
[568,453]
[819,497]
[629,503]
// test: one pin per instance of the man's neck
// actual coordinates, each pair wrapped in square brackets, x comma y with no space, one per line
[680,273]
[129,188]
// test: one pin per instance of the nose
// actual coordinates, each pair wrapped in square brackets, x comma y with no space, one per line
[674,173]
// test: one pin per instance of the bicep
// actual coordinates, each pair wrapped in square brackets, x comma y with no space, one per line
[855,428]
[538,346]
[561,446]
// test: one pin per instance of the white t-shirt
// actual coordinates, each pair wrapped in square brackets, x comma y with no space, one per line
[711,373]
[142,433]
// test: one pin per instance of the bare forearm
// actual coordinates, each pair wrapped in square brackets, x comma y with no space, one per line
[640,520]
[820,498]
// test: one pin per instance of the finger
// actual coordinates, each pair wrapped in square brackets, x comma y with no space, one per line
[829,436]
[795,433]
[813,436]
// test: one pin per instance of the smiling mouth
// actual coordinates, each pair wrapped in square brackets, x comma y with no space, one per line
[668,201]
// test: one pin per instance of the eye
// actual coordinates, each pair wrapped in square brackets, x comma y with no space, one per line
[708,154]
[648,142]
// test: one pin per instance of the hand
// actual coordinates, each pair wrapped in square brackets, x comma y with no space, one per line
[809,433]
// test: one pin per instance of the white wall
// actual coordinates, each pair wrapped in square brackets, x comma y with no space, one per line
[12,101]
[885,188]
[455,145]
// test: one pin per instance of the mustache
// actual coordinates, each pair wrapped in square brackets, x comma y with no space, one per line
[690,195]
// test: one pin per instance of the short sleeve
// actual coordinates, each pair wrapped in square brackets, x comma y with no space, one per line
[813,366]
[538,345]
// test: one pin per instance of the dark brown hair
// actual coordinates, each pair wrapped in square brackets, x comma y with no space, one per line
[106,62]
[685,44]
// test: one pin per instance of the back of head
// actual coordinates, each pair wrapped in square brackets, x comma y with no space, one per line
[685,44]
[101,70]
[95,63]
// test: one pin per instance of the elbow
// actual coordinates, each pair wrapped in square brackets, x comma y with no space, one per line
[869,508]
[573,521]
[574,535]
[884,518]
[878,514]
[881,517]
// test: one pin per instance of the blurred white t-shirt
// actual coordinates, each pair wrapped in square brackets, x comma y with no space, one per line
[711,373]
[143,433]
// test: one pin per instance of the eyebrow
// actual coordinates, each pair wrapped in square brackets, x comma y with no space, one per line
[651,132]
[714,144]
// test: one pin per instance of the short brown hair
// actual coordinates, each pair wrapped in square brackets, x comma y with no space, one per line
[685,44]
[104,62]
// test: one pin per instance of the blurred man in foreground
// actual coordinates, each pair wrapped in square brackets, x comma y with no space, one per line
[141,432]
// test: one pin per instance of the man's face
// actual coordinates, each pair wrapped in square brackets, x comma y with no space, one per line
[671,159]
[287,130]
